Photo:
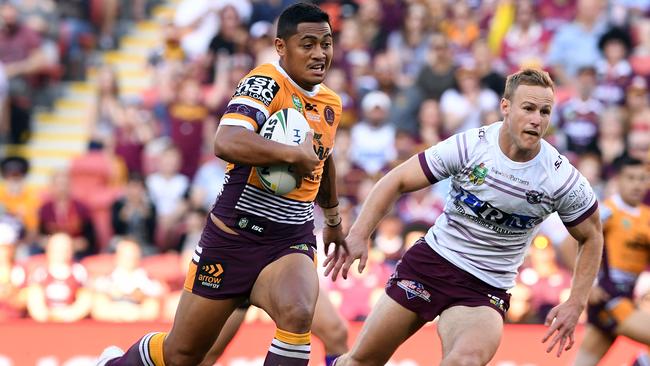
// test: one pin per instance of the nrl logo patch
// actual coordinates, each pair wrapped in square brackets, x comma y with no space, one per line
[534,197]
[296,102]
[478,174]
[243,222]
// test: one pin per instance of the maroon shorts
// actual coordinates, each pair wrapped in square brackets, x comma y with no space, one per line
[228,267]
[427,284]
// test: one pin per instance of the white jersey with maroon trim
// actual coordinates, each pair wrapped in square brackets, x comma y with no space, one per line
[495,205]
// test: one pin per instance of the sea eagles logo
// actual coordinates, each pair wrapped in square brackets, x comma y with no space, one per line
[534,197]
[478,174]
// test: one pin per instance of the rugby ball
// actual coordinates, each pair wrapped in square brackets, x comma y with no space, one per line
[286,126]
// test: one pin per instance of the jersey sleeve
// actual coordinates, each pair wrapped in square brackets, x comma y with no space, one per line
[254,100]
[575,200]
[443,159]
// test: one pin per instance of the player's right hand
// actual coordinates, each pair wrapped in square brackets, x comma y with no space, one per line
[340,261]
[306,159]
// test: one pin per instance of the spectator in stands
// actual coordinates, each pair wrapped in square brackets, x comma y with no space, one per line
[12,276]
[168,189]
[170,51]
[388,239]
[261,45]
[370,16]
[192,127]
[614,69]
[521,310]
[437,75]
[353,53]
[76,33]
[642,48]
[198,21]
[359,292]
[208,183]
[109,107]
[462,29]
[193,223]
[526,42]
[231,38]
[21,54]
[424,205]
[576,44]
[611,141]
[134,215]
[386,76]
[555,13]
[231,69]
[108,12]
[410,45]
[4,91]
[638,145]
[545,277]
[591,166]
[429,123]
[414,231]
[636,96]
[57,290]
[578,116]
[62,213]
[338,81]
[41,17]
[464,107]
[132,133]
[19,198]
[638,106]
[489,70]
[171,297]
[372,145]
[127,294]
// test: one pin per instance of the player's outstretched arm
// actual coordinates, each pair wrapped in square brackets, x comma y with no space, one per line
[563,318]
[239,145]
[407,177]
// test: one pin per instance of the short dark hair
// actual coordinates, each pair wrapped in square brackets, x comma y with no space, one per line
[529,76]
[299,13]
[624,161]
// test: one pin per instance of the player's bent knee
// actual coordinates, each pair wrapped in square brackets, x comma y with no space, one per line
[473,357]
[295,318]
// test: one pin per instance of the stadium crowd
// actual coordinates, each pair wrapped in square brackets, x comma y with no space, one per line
[409,72]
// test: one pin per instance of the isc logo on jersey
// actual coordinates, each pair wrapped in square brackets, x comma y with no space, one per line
[262,88]
[286,126]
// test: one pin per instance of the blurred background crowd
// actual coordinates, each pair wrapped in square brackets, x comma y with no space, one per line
[109,108]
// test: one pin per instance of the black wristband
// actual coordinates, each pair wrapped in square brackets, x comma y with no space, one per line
[339,223]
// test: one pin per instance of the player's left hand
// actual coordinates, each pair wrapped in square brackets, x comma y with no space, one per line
[562,321]
[334,235]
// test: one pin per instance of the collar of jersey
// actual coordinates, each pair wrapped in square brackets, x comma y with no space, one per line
[618,201]
[494,138]
[306,92]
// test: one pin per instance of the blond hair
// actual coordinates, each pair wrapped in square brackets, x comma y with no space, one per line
[528,76]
